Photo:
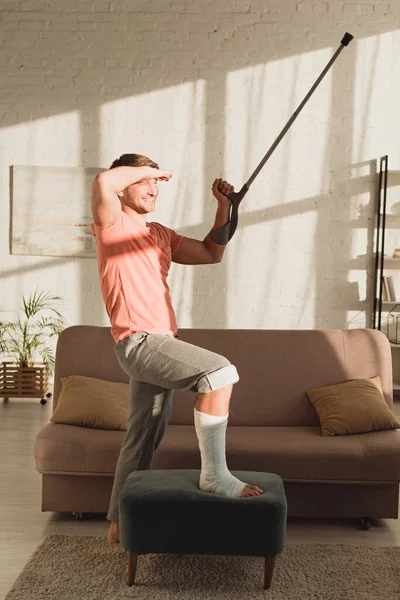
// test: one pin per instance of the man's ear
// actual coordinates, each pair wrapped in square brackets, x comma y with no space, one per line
[120,194]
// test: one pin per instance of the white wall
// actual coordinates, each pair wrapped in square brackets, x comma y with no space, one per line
[204,89]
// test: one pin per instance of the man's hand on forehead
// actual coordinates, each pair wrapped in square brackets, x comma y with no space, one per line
[157,175]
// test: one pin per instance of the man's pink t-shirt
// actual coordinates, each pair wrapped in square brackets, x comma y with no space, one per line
[134,261]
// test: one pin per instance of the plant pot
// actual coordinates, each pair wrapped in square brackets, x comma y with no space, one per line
[24,382]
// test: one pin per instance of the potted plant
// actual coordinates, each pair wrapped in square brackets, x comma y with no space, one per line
[26,340]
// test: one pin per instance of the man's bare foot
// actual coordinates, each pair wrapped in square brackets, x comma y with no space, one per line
[250,490]
[113,533]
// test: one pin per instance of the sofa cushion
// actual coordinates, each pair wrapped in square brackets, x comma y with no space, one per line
[91,402]
[356,406]
[294,453]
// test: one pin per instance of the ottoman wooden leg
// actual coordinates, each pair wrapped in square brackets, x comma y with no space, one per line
[132,563]
[268,571]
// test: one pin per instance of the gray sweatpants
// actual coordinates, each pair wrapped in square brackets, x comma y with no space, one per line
[158,364]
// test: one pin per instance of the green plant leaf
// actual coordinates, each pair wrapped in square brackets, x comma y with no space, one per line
[25,339]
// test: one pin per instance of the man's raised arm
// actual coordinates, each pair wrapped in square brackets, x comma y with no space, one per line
[106,205]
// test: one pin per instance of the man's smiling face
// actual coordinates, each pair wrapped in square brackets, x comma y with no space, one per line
[141,196]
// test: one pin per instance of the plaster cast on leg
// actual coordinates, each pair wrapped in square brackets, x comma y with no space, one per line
[215,476]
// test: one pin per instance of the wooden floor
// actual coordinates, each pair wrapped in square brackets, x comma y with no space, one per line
[23,525]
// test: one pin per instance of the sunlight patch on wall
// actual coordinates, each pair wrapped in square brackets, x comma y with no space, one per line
[167,125]
[287,193]
[376,57]
[260,101]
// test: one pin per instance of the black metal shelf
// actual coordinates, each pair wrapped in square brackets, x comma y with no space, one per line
[380,243]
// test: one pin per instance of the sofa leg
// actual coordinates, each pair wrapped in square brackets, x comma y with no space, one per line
[132,563]
[366,523]
[268,571]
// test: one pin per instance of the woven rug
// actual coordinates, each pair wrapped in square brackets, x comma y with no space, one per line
[72,567]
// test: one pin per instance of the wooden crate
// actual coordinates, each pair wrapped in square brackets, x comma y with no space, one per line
[24,382]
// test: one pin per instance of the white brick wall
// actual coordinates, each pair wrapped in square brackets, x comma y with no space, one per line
[204,89]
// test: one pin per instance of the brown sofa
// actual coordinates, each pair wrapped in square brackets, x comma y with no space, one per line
[273,427]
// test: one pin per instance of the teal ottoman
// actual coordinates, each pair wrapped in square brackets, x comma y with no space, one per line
[165,512]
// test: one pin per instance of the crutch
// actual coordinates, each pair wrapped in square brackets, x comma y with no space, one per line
[223,234]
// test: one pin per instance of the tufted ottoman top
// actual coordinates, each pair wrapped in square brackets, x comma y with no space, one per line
[164,511]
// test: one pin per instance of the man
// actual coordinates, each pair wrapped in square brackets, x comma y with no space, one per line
[134,258]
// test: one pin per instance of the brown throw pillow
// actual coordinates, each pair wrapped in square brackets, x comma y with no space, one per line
[356,406]
[91,402]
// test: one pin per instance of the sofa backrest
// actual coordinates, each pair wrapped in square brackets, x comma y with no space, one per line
[275,367]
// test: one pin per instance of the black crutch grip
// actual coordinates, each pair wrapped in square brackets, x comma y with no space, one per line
[222,235]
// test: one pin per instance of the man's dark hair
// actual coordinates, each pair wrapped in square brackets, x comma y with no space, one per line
[134,160]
